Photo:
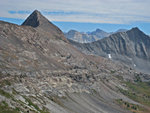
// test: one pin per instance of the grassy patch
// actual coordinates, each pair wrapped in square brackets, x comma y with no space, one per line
[6,94]
[132,107]
[139,92]
[30,103]
[137,78]
[4,108]
[5,82]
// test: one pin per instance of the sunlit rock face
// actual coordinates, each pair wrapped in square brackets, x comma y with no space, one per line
[130,47]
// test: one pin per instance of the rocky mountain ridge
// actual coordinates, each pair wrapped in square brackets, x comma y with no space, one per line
[41,72]
[80,37]
[88,37]
[130,47]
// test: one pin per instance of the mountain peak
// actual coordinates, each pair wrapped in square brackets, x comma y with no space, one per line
[72,31]
[36,11]
[99,30]
[35,19]
[135,28]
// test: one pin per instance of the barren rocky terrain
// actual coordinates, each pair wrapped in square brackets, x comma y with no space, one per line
[130,47]
[41,72]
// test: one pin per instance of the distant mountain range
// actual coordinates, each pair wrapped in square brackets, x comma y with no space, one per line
[82,37]
[130,47]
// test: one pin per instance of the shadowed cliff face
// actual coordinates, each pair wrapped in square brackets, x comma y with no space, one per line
[131,47]
[41,72]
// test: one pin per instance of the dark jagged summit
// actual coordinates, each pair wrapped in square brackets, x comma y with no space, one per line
[135,30]
[37,20]
[136,35]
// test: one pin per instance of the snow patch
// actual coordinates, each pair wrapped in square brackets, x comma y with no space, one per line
[109,56]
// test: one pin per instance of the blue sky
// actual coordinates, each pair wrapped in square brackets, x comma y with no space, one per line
[82,15]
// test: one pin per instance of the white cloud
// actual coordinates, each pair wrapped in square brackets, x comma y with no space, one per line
[95,11]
